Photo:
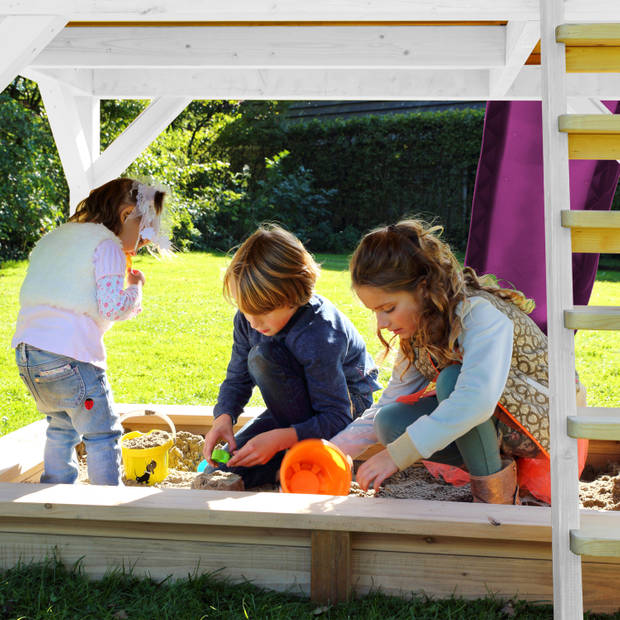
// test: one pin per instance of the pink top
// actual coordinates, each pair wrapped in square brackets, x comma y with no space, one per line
[77,335]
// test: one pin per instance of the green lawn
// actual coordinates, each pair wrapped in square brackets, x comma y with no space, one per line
[177,350]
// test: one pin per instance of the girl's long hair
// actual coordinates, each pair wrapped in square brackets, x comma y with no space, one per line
[409,256]
[103,204]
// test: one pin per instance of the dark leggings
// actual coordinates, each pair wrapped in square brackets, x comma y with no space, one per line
[478,448]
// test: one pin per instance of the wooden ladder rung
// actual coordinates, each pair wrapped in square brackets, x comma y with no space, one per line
[592,136]
[603,543]
[592,317]
[591,48]
[595,423]
[588,35]
[593,231]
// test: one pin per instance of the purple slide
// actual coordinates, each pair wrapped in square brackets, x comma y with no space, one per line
[507,233]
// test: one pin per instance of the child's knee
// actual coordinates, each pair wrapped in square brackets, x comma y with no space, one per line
[388,423]
[446,381]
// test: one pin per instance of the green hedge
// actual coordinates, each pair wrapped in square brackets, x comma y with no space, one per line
[377,169]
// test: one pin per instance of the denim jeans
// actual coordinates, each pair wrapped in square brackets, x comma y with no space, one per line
[63,389]
[281,381]
[478,448]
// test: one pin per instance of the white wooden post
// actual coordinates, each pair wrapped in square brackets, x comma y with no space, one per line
[73,140]
[567,585]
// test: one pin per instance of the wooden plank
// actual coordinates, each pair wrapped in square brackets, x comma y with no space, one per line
[591,219]
[598,543]
[22,38]
[521,37]
[592,136]
[253,10]
[77,503]
[275,567]
[603,427]
[593,59]
[593,231]
[588,34]
[311,47]
[145,128]
[319,84]
[21,452]
[589,123]
[331,567]
[567,595]
[594,146]
[592,317]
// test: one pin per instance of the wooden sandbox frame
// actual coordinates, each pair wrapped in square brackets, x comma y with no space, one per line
[327,547]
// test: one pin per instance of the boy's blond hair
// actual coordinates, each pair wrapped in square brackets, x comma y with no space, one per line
[270,269]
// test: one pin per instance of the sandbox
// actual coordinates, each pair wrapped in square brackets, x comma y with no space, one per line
[328,547]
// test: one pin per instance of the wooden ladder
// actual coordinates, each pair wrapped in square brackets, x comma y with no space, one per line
[574,48]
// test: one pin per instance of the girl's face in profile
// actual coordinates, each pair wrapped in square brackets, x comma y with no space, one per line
[397,311]
[130,231]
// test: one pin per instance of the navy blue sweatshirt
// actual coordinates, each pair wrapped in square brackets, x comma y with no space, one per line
[332,354]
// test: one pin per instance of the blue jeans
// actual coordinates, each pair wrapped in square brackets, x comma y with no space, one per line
[63,389]
[478,448]
[281,381]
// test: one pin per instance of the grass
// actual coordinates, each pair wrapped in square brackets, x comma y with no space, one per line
[177,352]
[50,590]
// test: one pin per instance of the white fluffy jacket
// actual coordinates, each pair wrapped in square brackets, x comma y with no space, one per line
[61,272]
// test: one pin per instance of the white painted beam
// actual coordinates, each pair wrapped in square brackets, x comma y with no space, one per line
[302,10]
[277,47]
[521,37]
[73,141]
[136,137]
[22,39]
[78,81]
[279,10]
[291,84]
[527,85]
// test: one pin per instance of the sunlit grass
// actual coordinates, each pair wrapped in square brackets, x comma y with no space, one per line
[177,350]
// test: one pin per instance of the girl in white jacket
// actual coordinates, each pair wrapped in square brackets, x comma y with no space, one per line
[73,293]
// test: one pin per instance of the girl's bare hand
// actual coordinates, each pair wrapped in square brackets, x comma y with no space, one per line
[375,470]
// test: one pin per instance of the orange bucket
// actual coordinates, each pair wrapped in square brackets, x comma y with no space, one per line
[315,466]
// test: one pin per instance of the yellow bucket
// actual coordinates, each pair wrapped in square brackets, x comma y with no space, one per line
[146,465]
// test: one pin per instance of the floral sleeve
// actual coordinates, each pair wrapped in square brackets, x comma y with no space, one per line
[116,304]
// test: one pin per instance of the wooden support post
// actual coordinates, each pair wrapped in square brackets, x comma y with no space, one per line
[331,567]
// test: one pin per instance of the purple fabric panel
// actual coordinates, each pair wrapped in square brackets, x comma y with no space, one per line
[507,234]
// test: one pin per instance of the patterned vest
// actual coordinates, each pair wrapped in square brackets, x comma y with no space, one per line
[524,403]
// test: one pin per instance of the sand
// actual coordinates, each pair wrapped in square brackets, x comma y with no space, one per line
[599,490]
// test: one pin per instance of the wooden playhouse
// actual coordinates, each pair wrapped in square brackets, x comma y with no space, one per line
[329,547]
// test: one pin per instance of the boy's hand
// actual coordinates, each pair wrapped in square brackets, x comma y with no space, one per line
[135,276]
[375,470]
[261,448]
[222,430]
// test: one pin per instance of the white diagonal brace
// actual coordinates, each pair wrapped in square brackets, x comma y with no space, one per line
[21,40]
[521,37]
[142,131]
[73,140]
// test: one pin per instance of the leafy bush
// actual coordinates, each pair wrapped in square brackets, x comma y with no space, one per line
[382,167]
[34,194]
